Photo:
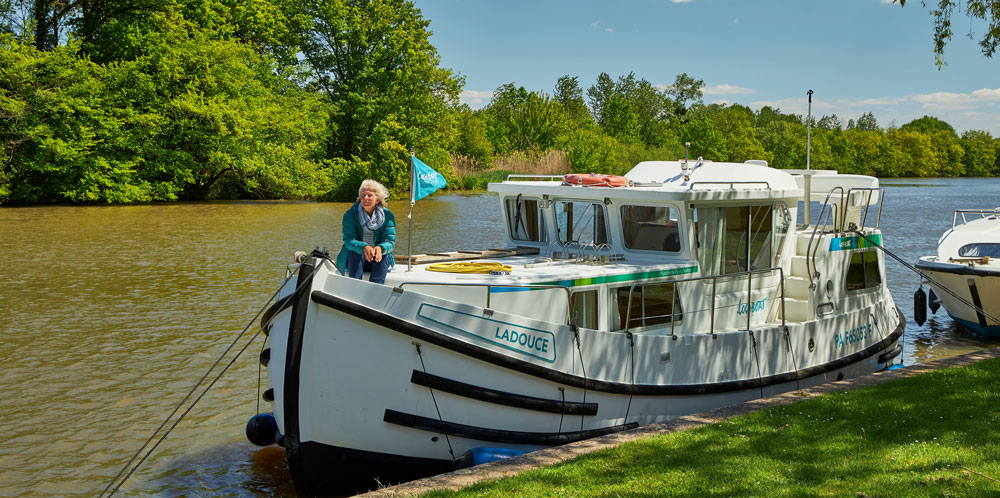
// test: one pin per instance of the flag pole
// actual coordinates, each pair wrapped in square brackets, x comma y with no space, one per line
[409,218]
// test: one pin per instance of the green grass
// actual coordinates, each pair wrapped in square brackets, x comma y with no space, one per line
[907,438]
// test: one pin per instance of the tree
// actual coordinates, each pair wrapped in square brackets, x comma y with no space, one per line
[985,10]
[829,123]
[522,120]
[706,142]
[979,153]
[386,93]
[685,90]
[929,125]
[631,110]
[865,122]
[738,139]
[473,140]
[570,96]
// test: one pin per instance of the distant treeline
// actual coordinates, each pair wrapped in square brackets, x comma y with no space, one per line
[161,100]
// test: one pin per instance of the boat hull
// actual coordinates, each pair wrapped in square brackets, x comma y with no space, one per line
[978,285]
[368,394]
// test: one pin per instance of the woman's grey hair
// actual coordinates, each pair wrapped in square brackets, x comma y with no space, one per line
[381,193]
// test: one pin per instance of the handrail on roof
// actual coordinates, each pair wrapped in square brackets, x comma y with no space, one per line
[731,184]
[983,213]
[557,178]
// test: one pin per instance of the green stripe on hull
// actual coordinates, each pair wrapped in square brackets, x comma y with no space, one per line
[626,277]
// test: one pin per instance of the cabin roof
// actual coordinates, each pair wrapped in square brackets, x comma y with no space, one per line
[666,180]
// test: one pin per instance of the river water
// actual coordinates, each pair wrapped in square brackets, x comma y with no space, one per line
[110,315]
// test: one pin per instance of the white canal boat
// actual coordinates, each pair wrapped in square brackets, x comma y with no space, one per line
[966,270]
[689,288]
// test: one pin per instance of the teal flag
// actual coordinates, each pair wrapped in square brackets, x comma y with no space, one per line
[424,180]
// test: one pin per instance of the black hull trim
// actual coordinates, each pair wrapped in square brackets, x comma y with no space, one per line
[497,435]
[502,397]
[480,353]
[955,269]
[274,309]
[331,470]
[299,465]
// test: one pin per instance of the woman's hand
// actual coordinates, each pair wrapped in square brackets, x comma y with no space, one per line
[373,253]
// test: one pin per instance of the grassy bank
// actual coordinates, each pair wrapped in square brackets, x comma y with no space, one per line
[928,435]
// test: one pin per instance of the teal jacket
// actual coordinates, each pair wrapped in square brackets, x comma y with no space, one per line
[354,238]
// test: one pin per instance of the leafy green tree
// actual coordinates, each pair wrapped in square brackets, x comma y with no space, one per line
[985,10]
[918,156]
[570,96]
[829,123]
[929,125]
[706,141]
[863,148]
[473,140]
[979,156]
[631,110]
[521,120]
[738,139]
[386,91]
[684,94]
[865,122]
[599,93]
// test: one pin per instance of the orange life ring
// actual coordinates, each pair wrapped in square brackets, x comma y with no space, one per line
[595,180]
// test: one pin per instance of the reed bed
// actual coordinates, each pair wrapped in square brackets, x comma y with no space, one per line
[472,176]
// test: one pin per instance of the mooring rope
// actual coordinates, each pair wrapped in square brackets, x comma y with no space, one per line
[929,279]
[423,367]
[118,478]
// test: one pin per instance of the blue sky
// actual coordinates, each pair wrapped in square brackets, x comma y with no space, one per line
[857,55]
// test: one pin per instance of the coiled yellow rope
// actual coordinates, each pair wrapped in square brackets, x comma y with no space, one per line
[469,267]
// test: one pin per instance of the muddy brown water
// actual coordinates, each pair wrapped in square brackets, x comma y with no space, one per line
[110,314]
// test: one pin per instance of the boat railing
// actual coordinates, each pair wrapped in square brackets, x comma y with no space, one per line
[489,291]
[714,278]
[732,185]
[825,213]
[880,198]
[838,212]
[553,178]
[982,213]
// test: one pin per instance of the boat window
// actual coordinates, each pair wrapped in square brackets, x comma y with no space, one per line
[584,306]
[652,304]
[733,239]
[980,250]
[863,271]
[581,222]
[782,220]
[525,221]
[651,228]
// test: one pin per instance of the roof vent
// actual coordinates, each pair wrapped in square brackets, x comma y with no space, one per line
[758,162]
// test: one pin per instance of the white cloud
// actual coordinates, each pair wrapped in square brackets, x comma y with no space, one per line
[950,101]
[726,89]
[595,24]
[609,30]
[680,1]
[736,20]
[475,98]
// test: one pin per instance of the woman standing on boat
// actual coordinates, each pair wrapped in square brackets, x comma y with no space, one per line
[369,231]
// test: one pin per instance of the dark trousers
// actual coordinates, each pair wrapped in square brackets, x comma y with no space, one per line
[356,266]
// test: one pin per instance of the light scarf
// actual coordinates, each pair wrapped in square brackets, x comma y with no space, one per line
[373,222]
